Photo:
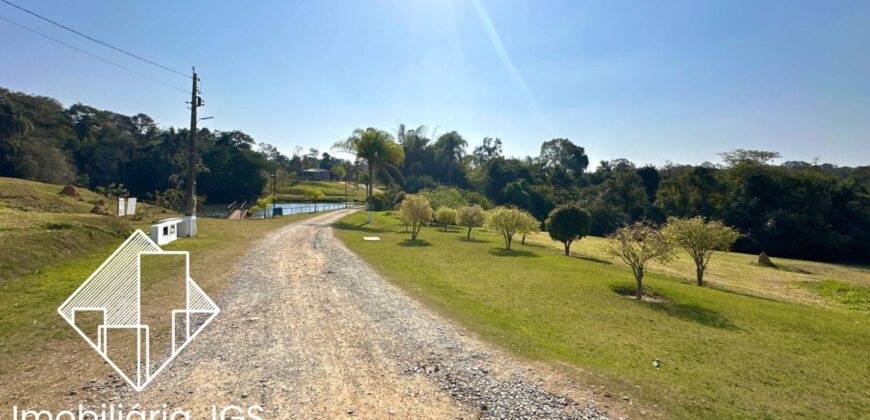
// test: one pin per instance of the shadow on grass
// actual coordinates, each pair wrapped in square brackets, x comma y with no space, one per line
[592,259]
[410,243]
[534,245]
[359,228]
[695,313]
[685,311]
[500,252]
[473,240]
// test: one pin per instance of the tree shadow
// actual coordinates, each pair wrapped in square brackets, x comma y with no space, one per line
[501,252]
[695,313]
[474,240]
[532,245]
[440,229]
[359,228]
[592,259]
[685,311]
[410,243]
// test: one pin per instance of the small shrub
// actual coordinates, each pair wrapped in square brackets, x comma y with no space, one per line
[567,224]
[470,217]
[509,221]
[635,244]
[445,216]
[381,201]
[699,239]
[415,212]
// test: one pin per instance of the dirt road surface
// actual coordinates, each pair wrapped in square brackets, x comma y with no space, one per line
[308,330]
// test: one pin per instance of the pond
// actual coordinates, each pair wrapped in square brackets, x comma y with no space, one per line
[298,208]
[221,210]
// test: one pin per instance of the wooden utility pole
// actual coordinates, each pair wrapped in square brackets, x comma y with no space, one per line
[188,225]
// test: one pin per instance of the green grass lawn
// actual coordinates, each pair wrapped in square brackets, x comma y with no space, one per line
[334,191]
[722,353]
[792,280]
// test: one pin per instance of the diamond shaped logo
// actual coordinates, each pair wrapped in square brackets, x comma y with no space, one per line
[140,309]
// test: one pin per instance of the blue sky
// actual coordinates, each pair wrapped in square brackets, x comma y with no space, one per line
[650,81]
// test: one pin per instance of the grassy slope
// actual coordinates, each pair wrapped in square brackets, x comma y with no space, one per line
[28,301]
[334,191]
[723,354]
[39,227]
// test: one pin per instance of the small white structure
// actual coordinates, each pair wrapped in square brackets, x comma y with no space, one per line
[121,210]
[131,206]
[165,231]
[187,228]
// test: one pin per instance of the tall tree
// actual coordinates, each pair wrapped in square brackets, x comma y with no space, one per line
[449,150]
[561,155]
[380,153]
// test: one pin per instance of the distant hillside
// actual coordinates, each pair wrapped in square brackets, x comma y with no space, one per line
[334,191]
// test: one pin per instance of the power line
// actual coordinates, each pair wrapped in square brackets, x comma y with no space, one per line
[94,39]
[93,55]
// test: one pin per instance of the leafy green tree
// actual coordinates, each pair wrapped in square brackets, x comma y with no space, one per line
[699,239]
[563,156]
[567,224]
[449,150]
[235,172]
[509,221]
[635,245]
[340,172]
[415,212]
[530,225]
[739,156]
[13,123]
[444,196]
[445,216]
[489,149]
[649,176]
[379,152]
[470,217]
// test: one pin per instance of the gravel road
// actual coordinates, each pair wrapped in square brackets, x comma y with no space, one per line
[308,330]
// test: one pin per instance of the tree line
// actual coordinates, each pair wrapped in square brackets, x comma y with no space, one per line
[42,140]
[794,209]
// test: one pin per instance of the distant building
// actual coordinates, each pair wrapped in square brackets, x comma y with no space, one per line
[314,175]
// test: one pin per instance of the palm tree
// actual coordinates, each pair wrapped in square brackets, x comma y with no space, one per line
[415,143]
[380,153]
[449,150]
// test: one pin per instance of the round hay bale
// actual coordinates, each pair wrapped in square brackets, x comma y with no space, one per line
[764,259]
[70,190]
[96,209]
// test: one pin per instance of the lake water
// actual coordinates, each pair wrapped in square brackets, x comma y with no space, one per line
[298,208]
[220,210]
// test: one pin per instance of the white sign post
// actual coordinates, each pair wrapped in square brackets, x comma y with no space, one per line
[131,206]
[121,206]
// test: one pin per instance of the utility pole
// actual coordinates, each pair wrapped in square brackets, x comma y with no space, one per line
[188,223]
[274,197]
